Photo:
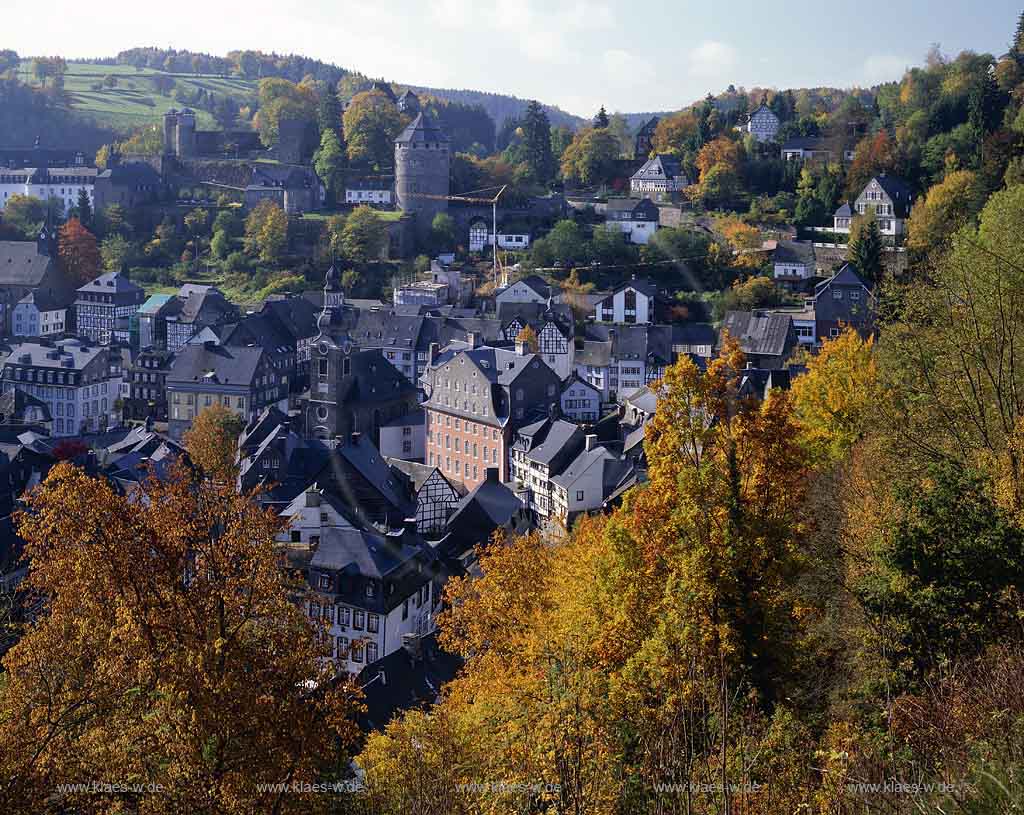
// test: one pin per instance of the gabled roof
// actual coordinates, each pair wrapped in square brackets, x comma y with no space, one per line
[612,467]
[490,506]
[47,300]
[22,264]
[793,252]
[547,441]
[537,283]
[635,206]
[846,276]
[111,283]
[422,129]
[759,332]
[897,189]
[805,143]
[359,551]
[693,334]
[16,403]
[374,379]
[660,168]
[216,363]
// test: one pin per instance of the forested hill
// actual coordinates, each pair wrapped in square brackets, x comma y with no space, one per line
[500,106]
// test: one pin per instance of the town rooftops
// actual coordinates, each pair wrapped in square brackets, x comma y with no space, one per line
[806,143]
[207,363]
[846,276]
[369,553]
[546,440]
[759,332]
[422,130]
[45,300]
[642,209]
[112,283]
[73,354]
[22,264]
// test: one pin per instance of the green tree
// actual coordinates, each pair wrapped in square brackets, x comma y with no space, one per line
[116,251]
[865,252]
[328,110]
[84,207]
[371,124]
[564,243]
[279,100]
[537,143]
[601,118]
[220,245]
[442,233]
[266,231]
[364,236]
[591,158]
[26,214]
[329,163]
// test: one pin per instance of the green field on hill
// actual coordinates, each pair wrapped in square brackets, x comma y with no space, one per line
[136,99]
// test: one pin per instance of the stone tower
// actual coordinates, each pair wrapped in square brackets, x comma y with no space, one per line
[186,141]
[171,132]
[422,163]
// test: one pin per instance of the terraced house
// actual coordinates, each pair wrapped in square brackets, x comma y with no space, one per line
[78,380]
[105,305]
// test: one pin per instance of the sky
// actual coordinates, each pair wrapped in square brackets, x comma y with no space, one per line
[577,54]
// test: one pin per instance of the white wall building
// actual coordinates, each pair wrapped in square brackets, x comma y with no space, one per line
[62,183]
[763,124]
[38,315]
[404,437]
[581,401]
[78,380]
[631,302]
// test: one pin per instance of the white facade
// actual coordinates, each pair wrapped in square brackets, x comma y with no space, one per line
[629,305]
[359,637]
[636,231]
[581,401]
[63,184]
[29,321]
[404,438]
[580,488]
[763,124]
[619,379]
[358,195]
[874,198]
[520,292]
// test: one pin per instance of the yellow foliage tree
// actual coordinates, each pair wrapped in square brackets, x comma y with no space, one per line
[212,442]
[169,655]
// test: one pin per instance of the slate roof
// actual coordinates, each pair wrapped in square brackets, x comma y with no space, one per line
[374,379]
[46,300]
[422,129]
[490,506]
[651,343]
[641,207]
[897,189]
[111,283]
[644,400]
[364,457]
[545,441]
[536,314]
[660,168]
[21,264]
[228,366]
[52,355]
[805,143]
[759,332]
[793,252]
[613,469]
[206,307]
[693,334]
[371,554]
[846,276]
[537,283]
[400,682]
[412,472]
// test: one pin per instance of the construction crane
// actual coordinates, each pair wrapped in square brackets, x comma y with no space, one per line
[469,199]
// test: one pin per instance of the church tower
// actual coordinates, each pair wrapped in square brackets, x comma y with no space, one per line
[330,369]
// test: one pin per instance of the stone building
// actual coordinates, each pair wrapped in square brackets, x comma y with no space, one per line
[422,165]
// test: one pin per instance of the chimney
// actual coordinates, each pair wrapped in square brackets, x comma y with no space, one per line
[435,349]
[355,436]
[491,475]
[591,442]
[521,349]
[472,339]
[553,412]
[409,525]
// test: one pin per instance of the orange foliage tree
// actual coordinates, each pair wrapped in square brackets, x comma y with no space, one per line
[168,653]
[79,253]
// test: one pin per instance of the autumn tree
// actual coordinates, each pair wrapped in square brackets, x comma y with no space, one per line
[212,442]
[528,337]
[937,216]
[364,235]
[718,163]
[26,214]
[79,253]
[169,654]
[371,124]
[266,231]
[678,134]
[872,156]
[590,159]
[283,100]
[834,400]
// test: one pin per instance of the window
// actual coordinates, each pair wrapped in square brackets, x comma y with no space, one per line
[833,332]
[342,647]
[343,615]
[371,652]
[325,581]
[837,294]
[372,623]
[357,619]
[579,495]
[328,613]
[357,651]
[314,611]
[371,590]
[405,610]
[855,296]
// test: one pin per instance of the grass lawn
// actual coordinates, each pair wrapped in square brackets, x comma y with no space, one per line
[135,101]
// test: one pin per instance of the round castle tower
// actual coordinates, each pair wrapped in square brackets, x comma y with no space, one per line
[186,133]
[422,167]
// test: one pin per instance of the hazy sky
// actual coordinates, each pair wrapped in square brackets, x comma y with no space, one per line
[578,54]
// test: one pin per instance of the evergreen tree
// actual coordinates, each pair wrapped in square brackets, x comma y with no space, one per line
[329,110]
[1017,46]
[866,251]
[537,142]
[601,119]
[84,208]
[329,162]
